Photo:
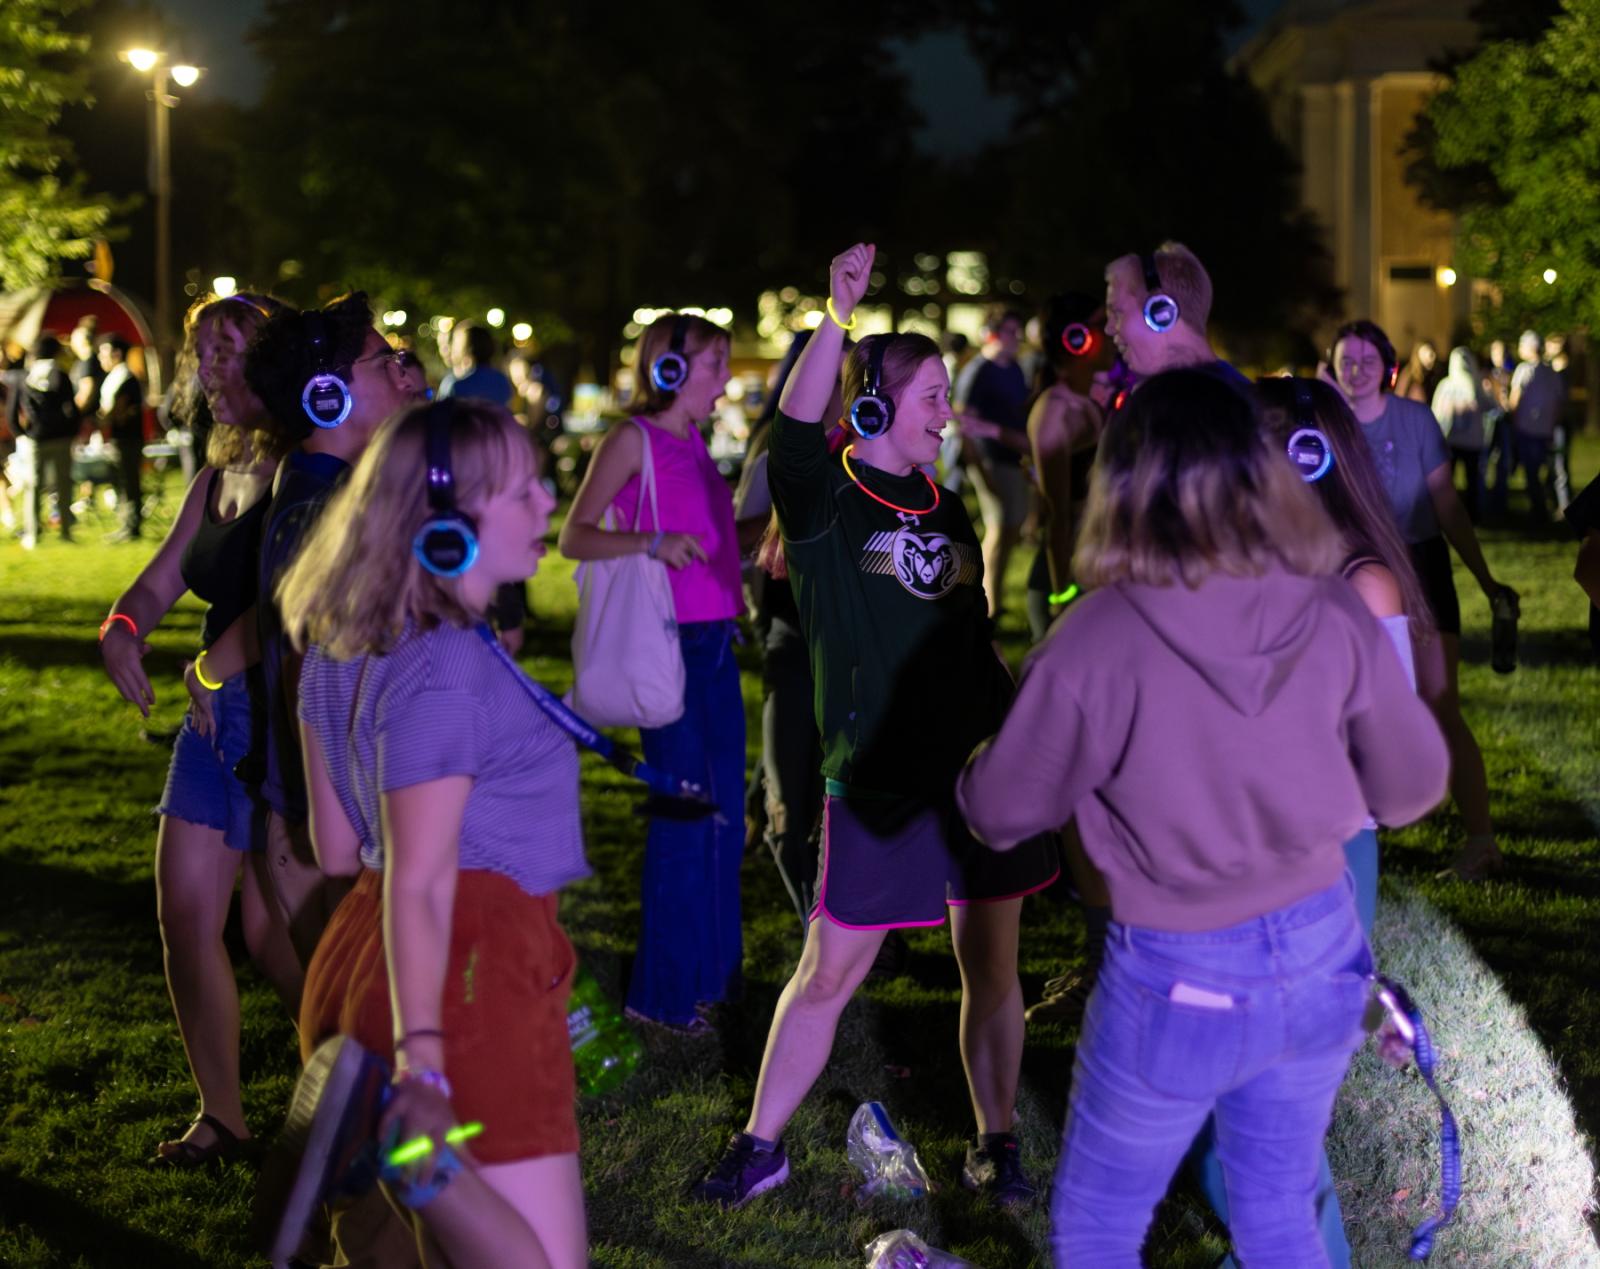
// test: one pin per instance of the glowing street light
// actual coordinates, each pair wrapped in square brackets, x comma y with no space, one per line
[153,62]
[496,317]
[1446,276]
[224,286]
[1549,277]
[522,332]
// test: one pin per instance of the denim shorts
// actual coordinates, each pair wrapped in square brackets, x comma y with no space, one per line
[201,787]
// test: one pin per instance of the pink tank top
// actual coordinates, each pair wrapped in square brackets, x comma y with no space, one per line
[693,498]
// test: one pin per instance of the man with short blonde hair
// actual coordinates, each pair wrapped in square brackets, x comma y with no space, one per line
[1171,270]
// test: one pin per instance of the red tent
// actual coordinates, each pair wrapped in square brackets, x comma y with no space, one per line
[25,314]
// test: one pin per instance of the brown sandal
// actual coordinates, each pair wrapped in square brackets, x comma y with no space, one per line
[184,1154]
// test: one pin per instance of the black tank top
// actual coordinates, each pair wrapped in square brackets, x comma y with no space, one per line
[222,561]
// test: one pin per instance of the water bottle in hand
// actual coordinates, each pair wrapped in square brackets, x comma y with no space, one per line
[1503,634]
[604,1049]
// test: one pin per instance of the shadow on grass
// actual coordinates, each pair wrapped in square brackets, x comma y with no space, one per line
[78,1234]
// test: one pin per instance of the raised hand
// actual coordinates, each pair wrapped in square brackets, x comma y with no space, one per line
[849,276]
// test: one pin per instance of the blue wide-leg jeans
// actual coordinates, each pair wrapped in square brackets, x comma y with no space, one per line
[1255,1023]
[690,944]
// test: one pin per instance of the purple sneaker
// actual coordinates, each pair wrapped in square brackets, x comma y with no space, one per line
[744,1171]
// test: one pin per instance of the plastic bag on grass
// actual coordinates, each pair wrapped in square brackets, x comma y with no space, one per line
[890,1164]
[901,1249]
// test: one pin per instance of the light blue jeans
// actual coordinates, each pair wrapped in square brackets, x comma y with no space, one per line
[1266,1017]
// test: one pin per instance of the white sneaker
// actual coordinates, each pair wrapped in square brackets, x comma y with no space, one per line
[28,541]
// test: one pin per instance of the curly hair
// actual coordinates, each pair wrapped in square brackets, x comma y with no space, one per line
[243,313]
[280,360]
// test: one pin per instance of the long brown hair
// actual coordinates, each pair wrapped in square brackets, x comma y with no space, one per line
[1185,485]
[243,313]
[1351,492]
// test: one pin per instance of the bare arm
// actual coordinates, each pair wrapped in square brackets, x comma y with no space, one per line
[421,833]
[1457,527]
[1058,426]
[334,840]
[618,460]
[811,382]
[159,585]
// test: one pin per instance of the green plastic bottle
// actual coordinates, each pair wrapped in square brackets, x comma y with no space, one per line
[605,1050]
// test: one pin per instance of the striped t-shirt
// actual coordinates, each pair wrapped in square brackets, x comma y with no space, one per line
[439,704]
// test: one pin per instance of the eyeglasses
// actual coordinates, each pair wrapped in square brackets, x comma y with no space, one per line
[403,358]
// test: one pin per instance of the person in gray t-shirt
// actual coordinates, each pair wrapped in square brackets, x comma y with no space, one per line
[437,782]
[1538,397]
[1414,464]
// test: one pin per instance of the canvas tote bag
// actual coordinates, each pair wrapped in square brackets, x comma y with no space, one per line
[626,658]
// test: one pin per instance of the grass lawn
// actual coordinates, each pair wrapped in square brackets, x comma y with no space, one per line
[92,1075]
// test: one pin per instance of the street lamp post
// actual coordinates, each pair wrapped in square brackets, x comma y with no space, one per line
[156,64]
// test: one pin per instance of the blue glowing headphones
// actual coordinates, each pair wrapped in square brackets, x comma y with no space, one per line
[326,398]
[669,370]
[1160,309]
[1309,448]
[447,543]
[872,413]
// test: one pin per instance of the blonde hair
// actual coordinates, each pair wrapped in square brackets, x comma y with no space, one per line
[1182,276]
[1185,485]
[356,582]
[698,333]
[243,313]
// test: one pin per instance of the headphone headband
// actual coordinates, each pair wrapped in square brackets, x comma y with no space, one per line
[669,370]
[447,543]
[872,413]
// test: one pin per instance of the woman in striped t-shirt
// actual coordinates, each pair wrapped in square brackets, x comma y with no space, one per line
[456,801]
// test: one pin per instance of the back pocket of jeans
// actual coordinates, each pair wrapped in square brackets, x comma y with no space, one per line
[1189,1051]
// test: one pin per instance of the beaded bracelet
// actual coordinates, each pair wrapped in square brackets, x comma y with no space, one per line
[422,1075]
[105,626]
[655,544]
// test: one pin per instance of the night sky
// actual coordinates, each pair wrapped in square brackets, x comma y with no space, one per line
[947,84]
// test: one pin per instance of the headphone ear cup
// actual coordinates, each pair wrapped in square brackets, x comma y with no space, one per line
[326,400]
[1160,313]
[446,544]
[668,371]
[871,416]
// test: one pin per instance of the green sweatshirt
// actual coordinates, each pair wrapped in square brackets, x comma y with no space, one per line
[893,608]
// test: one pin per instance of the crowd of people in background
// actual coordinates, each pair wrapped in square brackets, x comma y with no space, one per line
[364,758]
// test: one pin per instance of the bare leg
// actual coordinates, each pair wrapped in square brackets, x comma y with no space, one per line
[834,962]
[1438,665]
[297,886]
[985,940]
[998,543]
[266,934]
[195,874]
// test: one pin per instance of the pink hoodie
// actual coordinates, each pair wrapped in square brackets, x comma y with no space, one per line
[1217,745]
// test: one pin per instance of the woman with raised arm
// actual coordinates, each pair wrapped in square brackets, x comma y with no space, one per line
[435,779]
[211,825]
[888,580]
[691,946]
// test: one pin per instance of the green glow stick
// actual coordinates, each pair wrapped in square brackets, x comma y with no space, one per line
[422,1147]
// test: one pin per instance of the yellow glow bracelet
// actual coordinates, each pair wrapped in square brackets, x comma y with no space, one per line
[833,315]
[200,674]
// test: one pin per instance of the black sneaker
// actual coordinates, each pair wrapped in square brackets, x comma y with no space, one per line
[328,1146]
[994,1171]
[743,1172]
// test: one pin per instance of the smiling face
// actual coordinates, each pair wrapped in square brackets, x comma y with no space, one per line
[1359,368]
[921,410]
[1125,325]
[382,381]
